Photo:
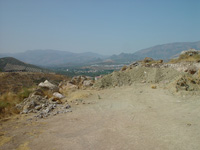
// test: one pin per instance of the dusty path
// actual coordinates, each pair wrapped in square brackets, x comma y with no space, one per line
[135,117]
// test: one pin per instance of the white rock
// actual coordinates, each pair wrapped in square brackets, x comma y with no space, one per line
[58,95]
[47,84]
[87,83]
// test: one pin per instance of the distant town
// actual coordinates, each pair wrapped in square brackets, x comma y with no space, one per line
[90,70]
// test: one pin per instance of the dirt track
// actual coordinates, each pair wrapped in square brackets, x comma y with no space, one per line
[133,117]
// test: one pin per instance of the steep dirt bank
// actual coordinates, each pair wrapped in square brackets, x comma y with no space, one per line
[169,78]
[134,117]
[138,74]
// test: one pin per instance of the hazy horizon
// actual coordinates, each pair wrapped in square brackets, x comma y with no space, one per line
[103,27]
[90,51]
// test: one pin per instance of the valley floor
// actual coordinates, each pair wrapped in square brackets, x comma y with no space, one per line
[134,117]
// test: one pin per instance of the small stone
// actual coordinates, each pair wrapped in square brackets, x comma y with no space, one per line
[67,106]
[143,81]
[55,113]
[66,111]
[25,111]
[38,107]
[29,119]
[153,86]
[54,106]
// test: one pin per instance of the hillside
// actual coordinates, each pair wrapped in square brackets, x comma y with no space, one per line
[167,51]
[16,81]
[55,57]
[10,64]
[124,58]
[164,51]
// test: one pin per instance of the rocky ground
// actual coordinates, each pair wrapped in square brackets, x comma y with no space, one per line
[128,117]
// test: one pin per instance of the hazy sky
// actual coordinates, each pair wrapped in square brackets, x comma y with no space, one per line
[102,26]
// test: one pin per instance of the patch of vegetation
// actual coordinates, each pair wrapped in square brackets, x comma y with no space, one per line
[3,105]
[186,58]
[9,100]
[24,94]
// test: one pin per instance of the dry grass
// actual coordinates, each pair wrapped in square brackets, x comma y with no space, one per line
[9,100]
[186,58]
[16,81]
[16,86]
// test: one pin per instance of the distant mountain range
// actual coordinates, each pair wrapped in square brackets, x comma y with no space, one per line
[56,58]
[167,51]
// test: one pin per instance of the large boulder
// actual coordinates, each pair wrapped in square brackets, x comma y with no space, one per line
[88,83]
[46,84]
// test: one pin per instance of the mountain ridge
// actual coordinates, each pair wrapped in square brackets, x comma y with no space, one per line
[51,57]
[54,57]
[167,51]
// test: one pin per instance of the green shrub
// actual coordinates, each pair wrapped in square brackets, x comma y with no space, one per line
[3,105]
[24,94]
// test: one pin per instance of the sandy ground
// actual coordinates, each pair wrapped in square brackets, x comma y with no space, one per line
[133,117]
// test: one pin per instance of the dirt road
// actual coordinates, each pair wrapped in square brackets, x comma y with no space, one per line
[126,118]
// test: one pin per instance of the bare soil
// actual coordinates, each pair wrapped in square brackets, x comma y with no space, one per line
[134,117]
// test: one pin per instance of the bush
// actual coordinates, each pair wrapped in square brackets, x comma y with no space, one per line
[186,58]
[3,105]
[24,94]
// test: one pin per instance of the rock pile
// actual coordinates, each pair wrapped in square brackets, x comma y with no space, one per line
[187,83]
[77,82]
[147,62]
[190,52]
[41,104]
